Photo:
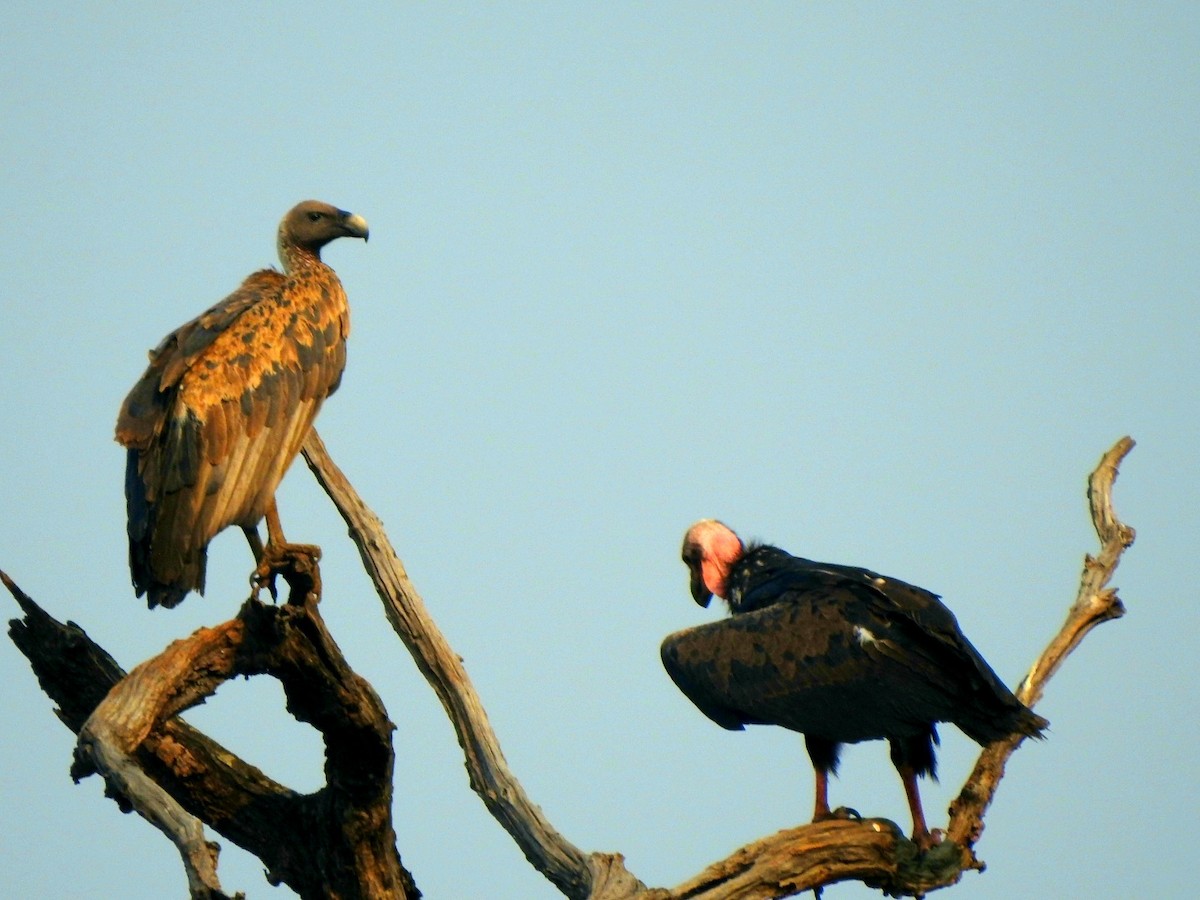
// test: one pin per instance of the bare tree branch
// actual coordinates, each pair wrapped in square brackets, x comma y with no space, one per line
[176,776]
[117,727]
[1094,603]
[341,843]
[873,851]
[547,850]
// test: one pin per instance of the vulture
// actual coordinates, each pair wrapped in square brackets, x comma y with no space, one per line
[837,653]
[225,404]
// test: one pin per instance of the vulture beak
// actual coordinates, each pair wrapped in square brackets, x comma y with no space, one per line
[701,594]
[354,225]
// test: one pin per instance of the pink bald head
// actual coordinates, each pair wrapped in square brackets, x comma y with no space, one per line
[709,549]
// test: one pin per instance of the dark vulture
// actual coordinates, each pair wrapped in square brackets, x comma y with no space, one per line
[225,404]
[837,653]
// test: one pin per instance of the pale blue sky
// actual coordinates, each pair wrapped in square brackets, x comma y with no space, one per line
[878,283]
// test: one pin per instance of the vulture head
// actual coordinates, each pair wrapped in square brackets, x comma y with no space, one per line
[709,549]
[311,225]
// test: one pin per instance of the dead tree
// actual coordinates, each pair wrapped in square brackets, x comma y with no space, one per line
[339,842]
[177,778]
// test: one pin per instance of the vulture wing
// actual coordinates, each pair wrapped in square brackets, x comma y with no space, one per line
[219,415]
[809,664]
[144,412]
[927,633]
[840,653]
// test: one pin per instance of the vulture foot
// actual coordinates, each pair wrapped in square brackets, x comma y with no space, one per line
[297,563]
[928,840]
[842,812]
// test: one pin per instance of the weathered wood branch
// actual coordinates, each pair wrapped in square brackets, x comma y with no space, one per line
[547,850]
[780,865]
[1094,603]
[121,723]
[873,851]
[340,841]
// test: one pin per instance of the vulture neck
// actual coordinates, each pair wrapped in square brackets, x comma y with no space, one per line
[297,257]
[759,561]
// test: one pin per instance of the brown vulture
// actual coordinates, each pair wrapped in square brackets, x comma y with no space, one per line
[837,653]
[225,404]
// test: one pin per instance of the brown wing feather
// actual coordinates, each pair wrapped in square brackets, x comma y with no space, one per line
[816,665]
[144,412]
[773,665]
[842,654]
[219,416]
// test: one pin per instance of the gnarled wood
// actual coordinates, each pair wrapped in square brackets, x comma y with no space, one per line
[780,865]
[291,643]
[340,841]
[1094,603]
[153,691]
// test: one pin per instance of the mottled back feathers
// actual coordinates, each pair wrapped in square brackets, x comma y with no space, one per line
[227,401]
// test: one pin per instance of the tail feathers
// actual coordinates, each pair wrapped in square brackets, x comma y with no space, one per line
[169,593]
[1014,718]
[165,595]
[163,590]
[164,575]
[1031,724]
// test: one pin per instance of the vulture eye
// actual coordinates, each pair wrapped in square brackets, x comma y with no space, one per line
[314,217]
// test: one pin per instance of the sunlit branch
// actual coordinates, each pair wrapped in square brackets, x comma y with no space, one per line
[781,865]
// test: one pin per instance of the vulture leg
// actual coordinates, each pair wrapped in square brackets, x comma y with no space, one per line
[912,758]
[821,796]
[255,542]
[921,835]
[256,547]
[297,563]
[824,756]
[274,526]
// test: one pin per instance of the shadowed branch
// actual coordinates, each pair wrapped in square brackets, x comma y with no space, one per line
[873,851]
[341,843]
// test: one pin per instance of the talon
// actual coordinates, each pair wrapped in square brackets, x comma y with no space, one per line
[927,840]
[297,563]
[263,577]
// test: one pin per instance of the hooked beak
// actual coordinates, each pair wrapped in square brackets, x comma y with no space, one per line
[701,594]
[354,225]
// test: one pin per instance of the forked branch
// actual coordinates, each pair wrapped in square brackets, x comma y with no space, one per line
[781,865]
[146,753]
[341,843]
